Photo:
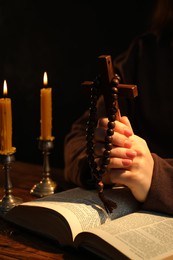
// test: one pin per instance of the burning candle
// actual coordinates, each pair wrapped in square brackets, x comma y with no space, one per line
[6,124]
[46,110]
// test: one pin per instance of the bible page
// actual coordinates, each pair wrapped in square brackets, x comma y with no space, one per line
[143,235]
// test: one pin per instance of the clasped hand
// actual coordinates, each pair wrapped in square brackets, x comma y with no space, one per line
[131,163]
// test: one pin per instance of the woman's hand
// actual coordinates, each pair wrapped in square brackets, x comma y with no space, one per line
[131,163]
[121,153]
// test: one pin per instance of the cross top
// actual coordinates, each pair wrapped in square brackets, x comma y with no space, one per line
[108,80]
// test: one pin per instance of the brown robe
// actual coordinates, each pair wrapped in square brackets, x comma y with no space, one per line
[147,63]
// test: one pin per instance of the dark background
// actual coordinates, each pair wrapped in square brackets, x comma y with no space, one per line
[63,38]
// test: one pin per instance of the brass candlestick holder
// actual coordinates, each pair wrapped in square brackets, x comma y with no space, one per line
[46,186]
[8,201]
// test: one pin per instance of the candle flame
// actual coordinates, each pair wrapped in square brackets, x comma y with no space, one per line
[5,88]
[45,79]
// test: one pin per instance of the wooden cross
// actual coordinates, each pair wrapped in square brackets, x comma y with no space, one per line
[107,77]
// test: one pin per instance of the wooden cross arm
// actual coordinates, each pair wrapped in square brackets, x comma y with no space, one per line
[129,91]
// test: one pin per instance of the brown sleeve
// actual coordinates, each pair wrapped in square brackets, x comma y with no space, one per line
[160,196]
[74,152]
[76,168]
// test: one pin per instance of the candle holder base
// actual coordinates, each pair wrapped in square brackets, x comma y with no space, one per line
[45,187]
[8,201]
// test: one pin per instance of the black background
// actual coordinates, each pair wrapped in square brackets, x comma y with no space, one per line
[63,38]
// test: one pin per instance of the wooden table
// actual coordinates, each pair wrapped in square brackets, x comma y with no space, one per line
[16,243]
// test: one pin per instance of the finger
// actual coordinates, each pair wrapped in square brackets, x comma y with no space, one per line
[117,138]
[119,152]
[102,122]
[121,127]
[126,121]
[121,140]
[117,163]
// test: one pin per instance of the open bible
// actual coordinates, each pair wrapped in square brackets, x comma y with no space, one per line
[77,218]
